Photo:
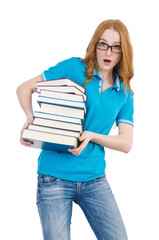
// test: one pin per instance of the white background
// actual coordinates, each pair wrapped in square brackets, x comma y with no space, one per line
[37,34]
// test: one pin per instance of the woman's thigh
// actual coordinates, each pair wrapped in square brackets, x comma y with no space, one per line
[54,201]
[98,204]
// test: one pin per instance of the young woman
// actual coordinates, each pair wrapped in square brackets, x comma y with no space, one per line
[79,176]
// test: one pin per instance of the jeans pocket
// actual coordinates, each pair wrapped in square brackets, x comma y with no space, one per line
[46,180]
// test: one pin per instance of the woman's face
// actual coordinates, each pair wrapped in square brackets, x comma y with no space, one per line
[106,60]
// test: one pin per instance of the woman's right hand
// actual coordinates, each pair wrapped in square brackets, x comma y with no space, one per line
[26,124]
[24,94]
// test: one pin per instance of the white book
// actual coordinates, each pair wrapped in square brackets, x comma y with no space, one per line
[67,103]
[62,82]
[57,124]
[61,95]
[54,130]
[65,89]
[57,117]
[49,141]
[63,111]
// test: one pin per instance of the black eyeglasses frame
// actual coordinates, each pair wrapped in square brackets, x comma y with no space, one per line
[108,46]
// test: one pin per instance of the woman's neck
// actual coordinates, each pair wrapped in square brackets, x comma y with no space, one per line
[107,76]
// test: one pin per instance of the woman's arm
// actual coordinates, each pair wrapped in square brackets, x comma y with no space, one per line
[24,93]
[121,142]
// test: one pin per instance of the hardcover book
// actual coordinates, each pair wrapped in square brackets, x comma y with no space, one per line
[58,124]
[62,82]
[67,103]
[63,89]
[62,95]
[50,141]
[61,110]
[57,117]
[53,130]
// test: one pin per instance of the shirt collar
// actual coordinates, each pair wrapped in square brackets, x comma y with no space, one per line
[117,80]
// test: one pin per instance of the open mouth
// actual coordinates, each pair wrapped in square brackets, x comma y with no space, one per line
[107,61]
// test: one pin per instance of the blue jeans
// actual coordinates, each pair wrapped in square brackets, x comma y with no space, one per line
[56,196]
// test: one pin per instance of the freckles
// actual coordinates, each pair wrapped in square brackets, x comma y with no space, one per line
[99,52]
[99,55]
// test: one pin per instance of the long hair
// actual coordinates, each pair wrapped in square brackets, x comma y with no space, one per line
[124,68]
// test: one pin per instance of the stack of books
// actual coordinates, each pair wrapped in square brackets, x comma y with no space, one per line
[58,125]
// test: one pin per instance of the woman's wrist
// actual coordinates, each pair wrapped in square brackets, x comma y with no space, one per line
[30,118]
[93,135]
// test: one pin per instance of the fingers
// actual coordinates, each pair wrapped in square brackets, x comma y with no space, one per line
[78,150]
[25,143]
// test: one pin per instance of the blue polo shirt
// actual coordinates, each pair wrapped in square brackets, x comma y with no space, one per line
[103,109]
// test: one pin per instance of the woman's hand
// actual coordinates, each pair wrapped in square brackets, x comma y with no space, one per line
[24,94]
[84,138]
[23,142]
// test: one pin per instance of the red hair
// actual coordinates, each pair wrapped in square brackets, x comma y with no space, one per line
[124,68]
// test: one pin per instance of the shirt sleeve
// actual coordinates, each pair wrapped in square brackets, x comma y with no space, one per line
[126,113]
[61,70]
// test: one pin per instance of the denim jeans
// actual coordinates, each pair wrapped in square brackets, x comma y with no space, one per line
[56,196]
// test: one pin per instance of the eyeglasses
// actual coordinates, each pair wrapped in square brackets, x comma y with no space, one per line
[104,47]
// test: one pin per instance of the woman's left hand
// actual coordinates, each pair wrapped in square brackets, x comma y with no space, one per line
[84,138]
